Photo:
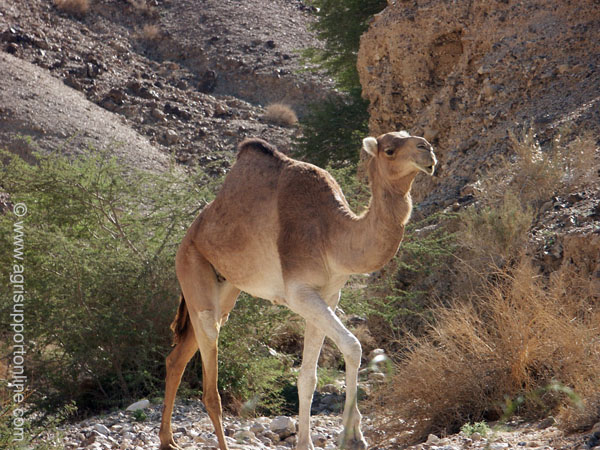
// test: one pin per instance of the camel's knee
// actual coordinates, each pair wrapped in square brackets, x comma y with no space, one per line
[307,380]
[352,351]
[212,402]
[207,324]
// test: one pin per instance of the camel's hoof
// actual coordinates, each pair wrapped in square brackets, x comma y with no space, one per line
[356,444]
[170,446]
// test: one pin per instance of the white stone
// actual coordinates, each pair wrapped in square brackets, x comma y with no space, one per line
[283,426]
[498,445]
[376,352]
[102,429]
[319,439]
[432,439]
[244,435]
[257,428]
[129,435]
[142,404]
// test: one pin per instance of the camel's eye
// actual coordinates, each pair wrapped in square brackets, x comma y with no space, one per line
[389,151]
[422,147]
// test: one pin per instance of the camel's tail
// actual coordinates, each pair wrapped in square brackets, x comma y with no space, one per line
[181,322]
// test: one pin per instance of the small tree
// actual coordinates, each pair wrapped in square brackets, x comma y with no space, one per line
[332,128]
[101,289]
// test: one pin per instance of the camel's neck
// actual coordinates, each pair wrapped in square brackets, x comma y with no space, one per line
[368,242]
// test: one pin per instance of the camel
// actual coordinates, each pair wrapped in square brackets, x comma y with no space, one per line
[282,230]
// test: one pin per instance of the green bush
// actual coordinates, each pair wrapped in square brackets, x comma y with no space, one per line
[250,368]
[332,129]
[339,26]
[478,427]
[100,242]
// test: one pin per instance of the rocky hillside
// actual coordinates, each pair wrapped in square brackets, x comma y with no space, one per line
[190,78]
[465,74]
[40,112]
[469,75]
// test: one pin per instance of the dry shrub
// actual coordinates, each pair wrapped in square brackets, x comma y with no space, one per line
[150,32]
[515,338]
[495,235]
[141,7]
[535,174]
[280,114]
[76,7]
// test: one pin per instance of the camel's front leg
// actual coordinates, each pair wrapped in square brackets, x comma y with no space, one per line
[306,302]
[352,437]
[307,381]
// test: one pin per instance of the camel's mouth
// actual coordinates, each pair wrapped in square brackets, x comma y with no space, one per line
[428,169]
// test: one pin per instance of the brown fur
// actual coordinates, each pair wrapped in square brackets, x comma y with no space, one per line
[257,144]
[281,229]
[181,322]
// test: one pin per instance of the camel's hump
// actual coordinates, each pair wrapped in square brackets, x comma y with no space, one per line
[257,144]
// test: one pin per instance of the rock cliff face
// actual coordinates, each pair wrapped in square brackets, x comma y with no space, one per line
[466,73]
[189,78]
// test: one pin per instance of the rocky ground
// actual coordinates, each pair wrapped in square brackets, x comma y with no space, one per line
[179,74]
[37,111]
[137,429]
[515,435]
[193,429]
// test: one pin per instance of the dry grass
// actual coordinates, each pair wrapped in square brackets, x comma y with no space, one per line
[515,338]
[495,235]
[76,7]
[150,32]
[280,114]
[535,175]
[142,7]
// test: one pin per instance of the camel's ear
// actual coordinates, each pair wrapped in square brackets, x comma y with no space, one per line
[370,145]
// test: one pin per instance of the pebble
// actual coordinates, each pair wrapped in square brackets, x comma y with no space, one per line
[193,429]
[142,404]
[102,429]
[432,439]
[283,426]
[157,114]
[170,137]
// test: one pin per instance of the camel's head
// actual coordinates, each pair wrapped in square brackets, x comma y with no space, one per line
[398,154]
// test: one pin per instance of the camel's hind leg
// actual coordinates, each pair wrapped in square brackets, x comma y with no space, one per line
[208,301]
[176,362]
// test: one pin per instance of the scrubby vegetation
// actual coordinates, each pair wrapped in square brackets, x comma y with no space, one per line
[150,32]
[280,114]
[101,288]
[75,7]
[475,329]
[332,128]
[502,338]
